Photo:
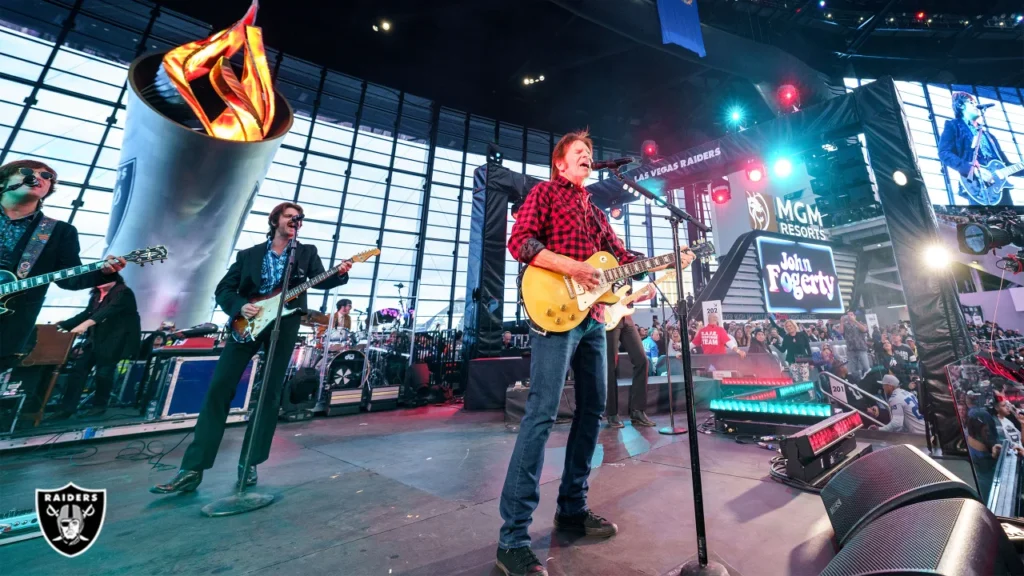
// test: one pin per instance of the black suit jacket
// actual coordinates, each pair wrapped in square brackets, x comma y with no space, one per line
[117,334]
[955,150]
[243,278]
[60,252]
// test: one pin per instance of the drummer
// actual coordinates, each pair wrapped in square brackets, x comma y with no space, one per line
[342,319]
[340,336]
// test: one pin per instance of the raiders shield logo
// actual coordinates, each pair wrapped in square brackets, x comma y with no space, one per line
[122,195]
[71,517]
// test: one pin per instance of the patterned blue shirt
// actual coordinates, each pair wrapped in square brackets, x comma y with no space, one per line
[273,269]
[11,232]
[987,151]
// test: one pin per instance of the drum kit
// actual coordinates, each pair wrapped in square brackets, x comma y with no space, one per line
[349,359]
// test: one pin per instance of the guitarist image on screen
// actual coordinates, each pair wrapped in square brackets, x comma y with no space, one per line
[967,147]
[256,271]
[556,230]
[32,244]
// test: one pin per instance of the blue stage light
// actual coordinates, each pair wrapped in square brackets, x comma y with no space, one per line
[783,167]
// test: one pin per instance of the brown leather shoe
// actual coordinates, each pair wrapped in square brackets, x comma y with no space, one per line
[185,481]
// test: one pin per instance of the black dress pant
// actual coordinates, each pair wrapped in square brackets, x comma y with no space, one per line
[104,381]
[627,334]
[213,416]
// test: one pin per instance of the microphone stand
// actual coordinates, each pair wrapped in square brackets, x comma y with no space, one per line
[701,565]
[242,501]
[672,429]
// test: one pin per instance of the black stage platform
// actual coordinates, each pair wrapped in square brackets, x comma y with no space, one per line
[489,378]
[415,492]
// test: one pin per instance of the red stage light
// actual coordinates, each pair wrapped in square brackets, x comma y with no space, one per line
[920,15]
[721,194]
[649,148]
[755,170]
[812,440]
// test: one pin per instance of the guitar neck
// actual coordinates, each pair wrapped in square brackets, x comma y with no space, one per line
[633,268]
[35,281]
[294,293]
[636,294]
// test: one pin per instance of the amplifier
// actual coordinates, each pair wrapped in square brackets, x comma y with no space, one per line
[188,380]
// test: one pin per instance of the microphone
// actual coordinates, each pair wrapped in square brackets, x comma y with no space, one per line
[984,106]
[612,163]
[298,218]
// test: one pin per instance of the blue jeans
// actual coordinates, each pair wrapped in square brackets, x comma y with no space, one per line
[584,349]
[859,363]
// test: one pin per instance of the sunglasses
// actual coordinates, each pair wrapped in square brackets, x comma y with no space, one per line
[29,172]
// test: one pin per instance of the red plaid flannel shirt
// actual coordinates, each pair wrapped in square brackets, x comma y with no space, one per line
[557,215]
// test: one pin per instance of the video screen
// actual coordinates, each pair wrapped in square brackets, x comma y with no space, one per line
[969,141]
[798,277]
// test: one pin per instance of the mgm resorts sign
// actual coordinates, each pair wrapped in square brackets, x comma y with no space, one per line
[793,218]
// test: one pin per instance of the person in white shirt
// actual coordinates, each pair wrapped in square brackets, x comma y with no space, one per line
[905,412]
[1005,427]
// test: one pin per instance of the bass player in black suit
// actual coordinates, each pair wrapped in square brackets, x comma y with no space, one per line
[256,271]
[32,245]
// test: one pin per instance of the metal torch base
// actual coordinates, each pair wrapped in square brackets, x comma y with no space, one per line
[237,504]
[670,431]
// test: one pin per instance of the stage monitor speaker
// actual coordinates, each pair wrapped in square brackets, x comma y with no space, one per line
[883,481]
[945,537]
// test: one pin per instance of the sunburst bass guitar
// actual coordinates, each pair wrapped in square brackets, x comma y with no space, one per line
[613,313]
[557,303]
[246,329]
[10,285]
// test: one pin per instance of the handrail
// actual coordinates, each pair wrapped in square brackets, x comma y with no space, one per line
[846,404]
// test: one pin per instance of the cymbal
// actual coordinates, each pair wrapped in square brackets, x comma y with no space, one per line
[315,319]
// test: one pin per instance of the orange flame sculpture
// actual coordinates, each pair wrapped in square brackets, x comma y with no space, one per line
[249,102]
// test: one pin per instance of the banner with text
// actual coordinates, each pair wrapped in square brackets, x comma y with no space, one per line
[798,277]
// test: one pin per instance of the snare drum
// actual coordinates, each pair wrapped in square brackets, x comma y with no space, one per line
[346,371]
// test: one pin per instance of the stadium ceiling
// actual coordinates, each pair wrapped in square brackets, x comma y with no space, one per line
[604,65]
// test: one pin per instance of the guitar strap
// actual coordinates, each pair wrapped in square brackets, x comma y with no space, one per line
[36,241]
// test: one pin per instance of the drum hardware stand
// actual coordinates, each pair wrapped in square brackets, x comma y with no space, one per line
[242,501]
[700,565]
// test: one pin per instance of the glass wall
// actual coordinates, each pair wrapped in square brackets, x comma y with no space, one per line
[370,165]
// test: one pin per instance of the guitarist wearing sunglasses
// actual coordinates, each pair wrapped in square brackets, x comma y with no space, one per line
[256,271]
[32,244]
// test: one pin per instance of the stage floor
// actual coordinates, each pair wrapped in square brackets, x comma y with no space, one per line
[416,492]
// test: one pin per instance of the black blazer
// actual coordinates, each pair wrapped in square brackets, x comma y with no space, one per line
[955,149]
[117,333]
[243,278]
[60,252]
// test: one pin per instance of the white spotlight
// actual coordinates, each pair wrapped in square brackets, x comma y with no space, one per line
[385,25]
[526,81]
[375,28]
[937,257]
[899,178]
[541,78]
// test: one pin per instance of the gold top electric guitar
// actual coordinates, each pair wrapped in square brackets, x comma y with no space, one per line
[557,303]
[245,329]
[613,313]
[10,284]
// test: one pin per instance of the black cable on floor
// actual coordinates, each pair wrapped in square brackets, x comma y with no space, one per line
[778,473]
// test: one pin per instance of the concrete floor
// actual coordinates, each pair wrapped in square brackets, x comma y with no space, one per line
[415,492]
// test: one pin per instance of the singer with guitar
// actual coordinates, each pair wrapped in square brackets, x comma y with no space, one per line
[967,147]
[32,244]
[257,271]
[556,230]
